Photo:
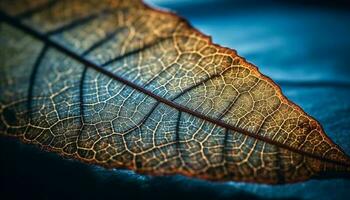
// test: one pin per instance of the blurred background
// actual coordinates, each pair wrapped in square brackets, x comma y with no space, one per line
[287,40]
[304,46]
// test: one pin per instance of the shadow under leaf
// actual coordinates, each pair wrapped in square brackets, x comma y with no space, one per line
[27,172]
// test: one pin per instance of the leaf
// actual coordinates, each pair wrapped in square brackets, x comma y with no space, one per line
[122,85]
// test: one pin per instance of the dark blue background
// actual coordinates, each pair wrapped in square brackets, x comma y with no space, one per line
[303,45]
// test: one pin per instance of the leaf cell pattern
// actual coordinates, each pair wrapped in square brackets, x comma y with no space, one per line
[122,85]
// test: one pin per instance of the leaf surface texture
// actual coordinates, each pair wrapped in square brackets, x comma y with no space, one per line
[122,85]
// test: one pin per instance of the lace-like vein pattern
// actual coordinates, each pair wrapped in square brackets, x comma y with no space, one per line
[60,103]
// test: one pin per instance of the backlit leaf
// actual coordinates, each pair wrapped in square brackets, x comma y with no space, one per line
[122,85]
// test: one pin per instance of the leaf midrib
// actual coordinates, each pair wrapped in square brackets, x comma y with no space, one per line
[44,38]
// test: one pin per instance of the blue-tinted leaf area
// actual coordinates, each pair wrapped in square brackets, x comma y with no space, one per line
[303,47]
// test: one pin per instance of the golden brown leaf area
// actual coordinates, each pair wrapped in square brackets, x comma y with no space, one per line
[148,92]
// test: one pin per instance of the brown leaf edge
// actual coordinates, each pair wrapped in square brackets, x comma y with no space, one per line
[278,89]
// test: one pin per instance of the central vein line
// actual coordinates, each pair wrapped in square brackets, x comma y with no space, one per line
[18,24]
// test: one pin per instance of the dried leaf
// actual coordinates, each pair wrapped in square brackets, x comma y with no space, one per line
[122,85]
